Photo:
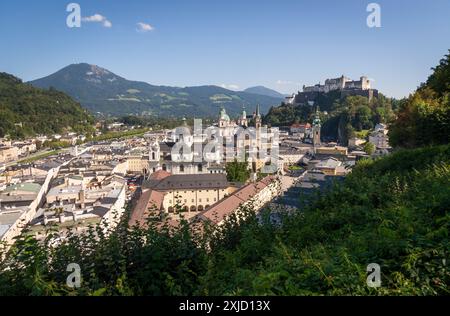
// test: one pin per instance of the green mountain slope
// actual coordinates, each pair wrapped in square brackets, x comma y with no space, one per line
[100,90]
[26,110]
[265,91]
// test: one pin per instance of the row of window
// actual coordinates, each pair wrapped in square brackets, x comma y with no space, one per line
[200,191]
[200,208]
[182,168]
[193,201]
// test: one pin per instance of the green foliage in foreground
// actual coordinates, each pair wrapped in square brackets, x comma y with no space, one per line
[393,211]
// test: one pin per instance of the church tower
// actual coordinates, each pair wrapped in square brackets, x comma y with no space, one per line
[224,119]
[317,126]
[243,120]
[258,119]
[155,152]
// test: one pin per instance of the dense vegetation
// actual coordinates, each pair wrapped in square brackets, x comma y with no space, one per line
[26,111]
[342,117]
[238,171]
[424,118]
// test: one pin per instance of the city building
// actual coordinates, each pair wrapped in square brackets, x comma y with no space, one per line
[8,154]
[379,137]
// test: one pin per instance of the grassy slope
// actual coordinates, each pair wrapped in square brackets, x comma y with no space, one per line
[394,212]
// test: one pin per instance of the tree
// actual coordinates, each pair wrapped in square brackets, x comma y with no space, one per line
[439,81]
[369,148]
[238,171]
[424,118]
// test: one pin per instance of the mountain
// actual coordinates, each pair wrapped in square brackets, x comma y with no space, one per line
[261,90]
[100,90]
[26,110]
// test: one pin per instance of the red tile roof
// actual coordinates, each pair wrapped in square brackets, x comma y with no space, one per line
[160,175]
[219,211]
[149,202]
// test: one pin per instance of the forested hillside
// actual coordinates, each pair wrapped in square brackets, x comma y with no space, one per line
[342,117]
[424,118]
[103,92]
[25,110]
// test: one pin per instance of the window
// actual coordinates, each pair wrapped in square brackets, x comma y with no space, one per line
[164,167]
[200,200]
[207,200]
[153,156]
[181,168]
[193,201]
[200,168]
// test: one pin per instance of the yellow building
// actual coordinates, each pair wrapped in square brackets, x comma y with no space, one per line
[192,193]
[336,150]
[8,154]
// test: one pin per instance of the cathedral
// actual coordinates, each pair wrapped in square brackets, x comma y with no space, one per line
[185,151]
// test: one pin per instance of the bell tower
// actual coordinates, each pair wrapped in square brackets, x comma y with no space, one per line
[258,119]
[155,152]
[317,126]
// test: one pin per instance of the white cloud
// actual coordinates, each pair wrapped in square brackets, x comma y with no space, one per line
[98,18]
[144,27]
[230,86]
[107,24]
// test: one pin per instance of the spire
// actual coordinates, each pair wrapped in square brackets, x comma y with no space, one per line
[317,120]
[258,111]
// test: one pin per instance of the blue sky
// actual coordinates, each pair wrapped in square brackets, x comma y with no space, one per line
[281,44]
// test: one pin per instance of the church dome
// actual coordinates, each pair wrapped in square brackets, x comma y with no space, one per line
[224,116]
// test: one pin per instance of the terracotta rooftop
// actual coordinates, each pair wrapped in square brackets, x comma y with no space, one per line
[149,202]
[160,175]
[219,211]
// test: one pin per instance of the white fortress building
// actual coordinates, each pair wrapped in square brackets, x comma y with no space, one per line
[346,86]
[342,83]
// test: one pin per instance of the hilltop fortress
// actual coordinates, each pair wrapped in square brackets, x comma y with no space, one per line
[343,84]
